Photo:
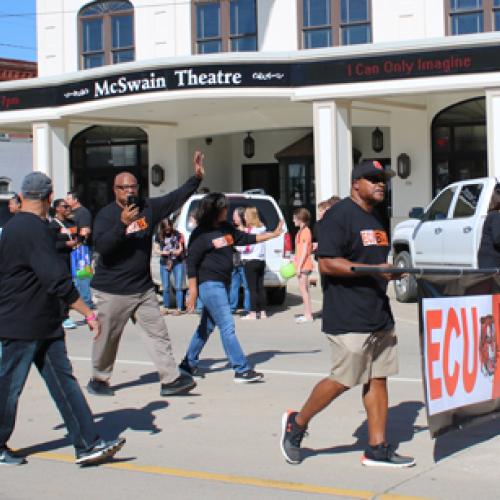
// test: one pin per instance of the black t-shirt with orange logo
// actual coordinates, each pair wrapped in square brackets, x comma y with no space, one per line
[357,304]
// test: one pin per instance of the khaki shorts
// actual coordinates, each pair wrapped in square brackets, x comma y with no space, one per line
[359,357]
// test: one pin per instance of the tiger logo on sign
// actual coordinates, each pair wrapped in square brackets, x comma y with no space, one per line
[488,346]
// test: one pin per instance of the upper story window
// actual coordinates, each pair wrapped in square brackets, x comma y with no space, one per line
[106,33]
[326,23]
[224,26]
[472,16]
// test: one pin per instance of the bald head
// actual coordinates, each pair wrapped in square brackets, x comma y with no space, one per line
[125,184]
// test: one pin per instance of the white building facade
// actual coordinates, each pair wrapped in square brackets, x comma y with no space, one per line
[313,85]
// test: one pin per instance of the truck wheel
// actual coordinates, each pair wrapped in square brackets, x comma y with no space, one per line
[276,295]
[405,288]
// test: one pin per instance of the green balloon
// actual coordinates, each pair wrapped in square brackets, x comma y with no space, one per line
[288,270]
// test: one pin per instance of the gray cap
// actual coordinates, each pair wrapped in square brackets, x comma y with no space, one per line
[36,186]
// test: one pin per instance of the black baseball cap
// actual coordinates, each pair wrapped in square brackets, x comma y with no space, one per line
[370,168]
[36,186]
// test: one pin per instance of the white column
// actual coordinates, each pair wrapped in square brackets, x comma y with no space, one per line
[51,154]
[493,131]
[332,149]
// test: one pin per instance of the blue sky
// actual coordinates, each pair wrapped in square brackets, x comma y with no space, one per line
[18,32]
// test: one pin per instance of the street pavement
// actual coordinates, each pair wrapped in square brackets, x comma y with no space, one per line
[223,440]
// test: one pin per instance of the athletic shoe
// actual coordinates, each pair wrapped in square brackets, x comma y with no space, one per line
[100,452]
[302,319]
[181,385]
[69,324]
[291,437]
[384,455]
[248,377]
[194,371]
[8,458]
[99,388]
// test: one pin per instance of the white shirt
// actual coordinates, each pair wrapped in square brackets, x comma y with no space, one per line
[257,251]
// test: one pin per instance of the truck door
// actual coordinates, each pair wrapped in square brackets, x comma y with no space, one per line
[428,238]
[460,234]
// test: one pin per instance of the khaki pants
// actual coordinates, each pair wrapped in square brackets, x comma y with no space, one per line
[114,311]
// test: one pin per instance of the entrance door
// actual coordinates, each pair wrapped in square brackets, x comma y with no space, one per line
[98,154]
[263,176]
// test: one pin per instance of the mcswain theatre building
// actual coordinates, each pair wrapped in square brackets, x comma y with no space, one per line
[279,94]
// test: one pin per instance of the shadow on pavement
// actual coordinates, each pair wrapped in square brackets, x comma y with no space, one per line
[459,440]
[254,358]
[400,428]
[109,425]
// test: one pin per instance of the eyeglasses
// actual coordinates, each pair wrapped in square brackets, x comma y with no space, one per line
[124,187]
[65,206]
[375,179]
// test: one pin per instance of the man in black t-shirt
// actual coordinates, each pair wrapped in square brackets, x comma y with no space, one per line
[357,317]
[122,283]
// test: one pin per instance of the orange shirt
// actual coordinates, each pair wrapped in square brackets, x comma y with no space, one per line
[303,243]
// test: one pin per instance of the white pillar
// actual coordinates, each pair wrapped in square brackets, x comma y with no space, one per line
[493,131]
[332,149]
[51,154]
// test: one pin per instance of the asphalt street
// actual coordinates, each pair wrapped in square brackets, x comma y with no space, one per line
[222,441]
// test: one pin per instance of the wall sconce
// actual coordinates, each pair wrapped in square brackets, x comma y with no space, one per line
[404,166]
[248,146]
[377,140]
[157,175]
[208,141]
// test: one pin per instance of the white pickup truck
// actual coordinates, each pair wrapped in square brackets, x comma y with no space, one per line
[446,234]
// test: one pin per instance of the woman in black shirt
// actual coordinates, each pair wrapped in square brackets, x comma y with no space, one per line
[488,255]
[210,264]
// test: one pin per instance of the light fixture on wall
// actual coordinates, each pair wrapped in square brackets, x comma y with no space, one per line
[404,166]
[248,146]
[157,175]
[208,141]
[377,140]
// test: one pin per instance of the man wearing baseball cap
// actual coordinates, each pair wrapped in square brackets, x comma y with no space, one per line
[34,280]
[357,317]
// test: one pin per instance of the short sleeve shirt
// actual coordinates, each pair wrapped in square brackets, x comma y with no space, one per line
[354,304]
[303,244]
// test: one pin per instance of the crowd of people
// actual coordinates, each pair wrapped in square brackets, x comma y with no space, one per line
[36,284]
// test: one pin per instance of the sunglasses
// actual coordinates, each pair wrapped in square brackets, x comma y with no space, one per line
[126,186]
[375,179]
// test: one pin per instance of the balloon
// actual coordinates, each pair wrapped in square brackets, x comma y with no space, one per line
[288,270]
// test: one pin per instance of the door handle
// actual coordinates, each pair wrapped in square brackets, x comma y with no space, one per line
[467,229]
[438,230]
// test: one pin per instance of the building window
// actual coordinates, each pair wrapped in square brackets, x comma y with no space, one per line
[326,23]
[106,33]
[472,16]
[224,26]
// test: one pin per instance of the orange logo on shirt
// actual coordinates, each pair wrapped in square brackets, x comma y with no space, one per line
[371,237]
[137,225]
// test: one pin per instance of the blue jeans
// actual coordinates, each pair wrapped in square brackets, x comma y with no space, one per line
[51,359]
[238,279]
[216,312]
[178,271]
[83,287]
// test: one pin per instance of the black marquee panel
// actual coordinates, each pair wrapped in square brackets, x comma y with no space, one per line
[253,75]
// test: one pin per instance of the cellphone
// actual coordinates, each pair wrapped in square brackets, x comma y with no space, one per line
[132,200]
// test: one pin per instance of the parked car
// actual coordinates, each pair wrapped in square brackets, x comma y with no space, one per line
[446,234]
[277,249]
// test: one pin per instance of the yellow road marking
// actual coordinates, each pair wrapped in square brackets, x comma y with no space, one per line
[238,480]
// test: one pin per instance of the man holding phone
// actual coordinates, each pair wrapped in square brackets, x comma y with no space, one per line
[122,284]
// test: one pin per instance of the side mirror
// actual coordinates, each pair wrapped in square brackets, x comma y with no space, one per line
[416,213]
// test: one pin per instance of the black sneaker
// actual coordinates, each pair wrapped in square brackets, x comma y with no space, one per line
[99,452]
[291,437]
[194,371]
[384,455]
[248,377]
[181,385]
[99,388]
[8,458]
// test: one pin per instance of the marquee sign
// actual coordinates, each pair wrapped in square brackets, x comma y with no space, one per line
[251,75]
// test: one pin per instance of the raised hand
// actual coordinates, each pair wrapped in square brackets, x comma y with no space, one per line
[199,169]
